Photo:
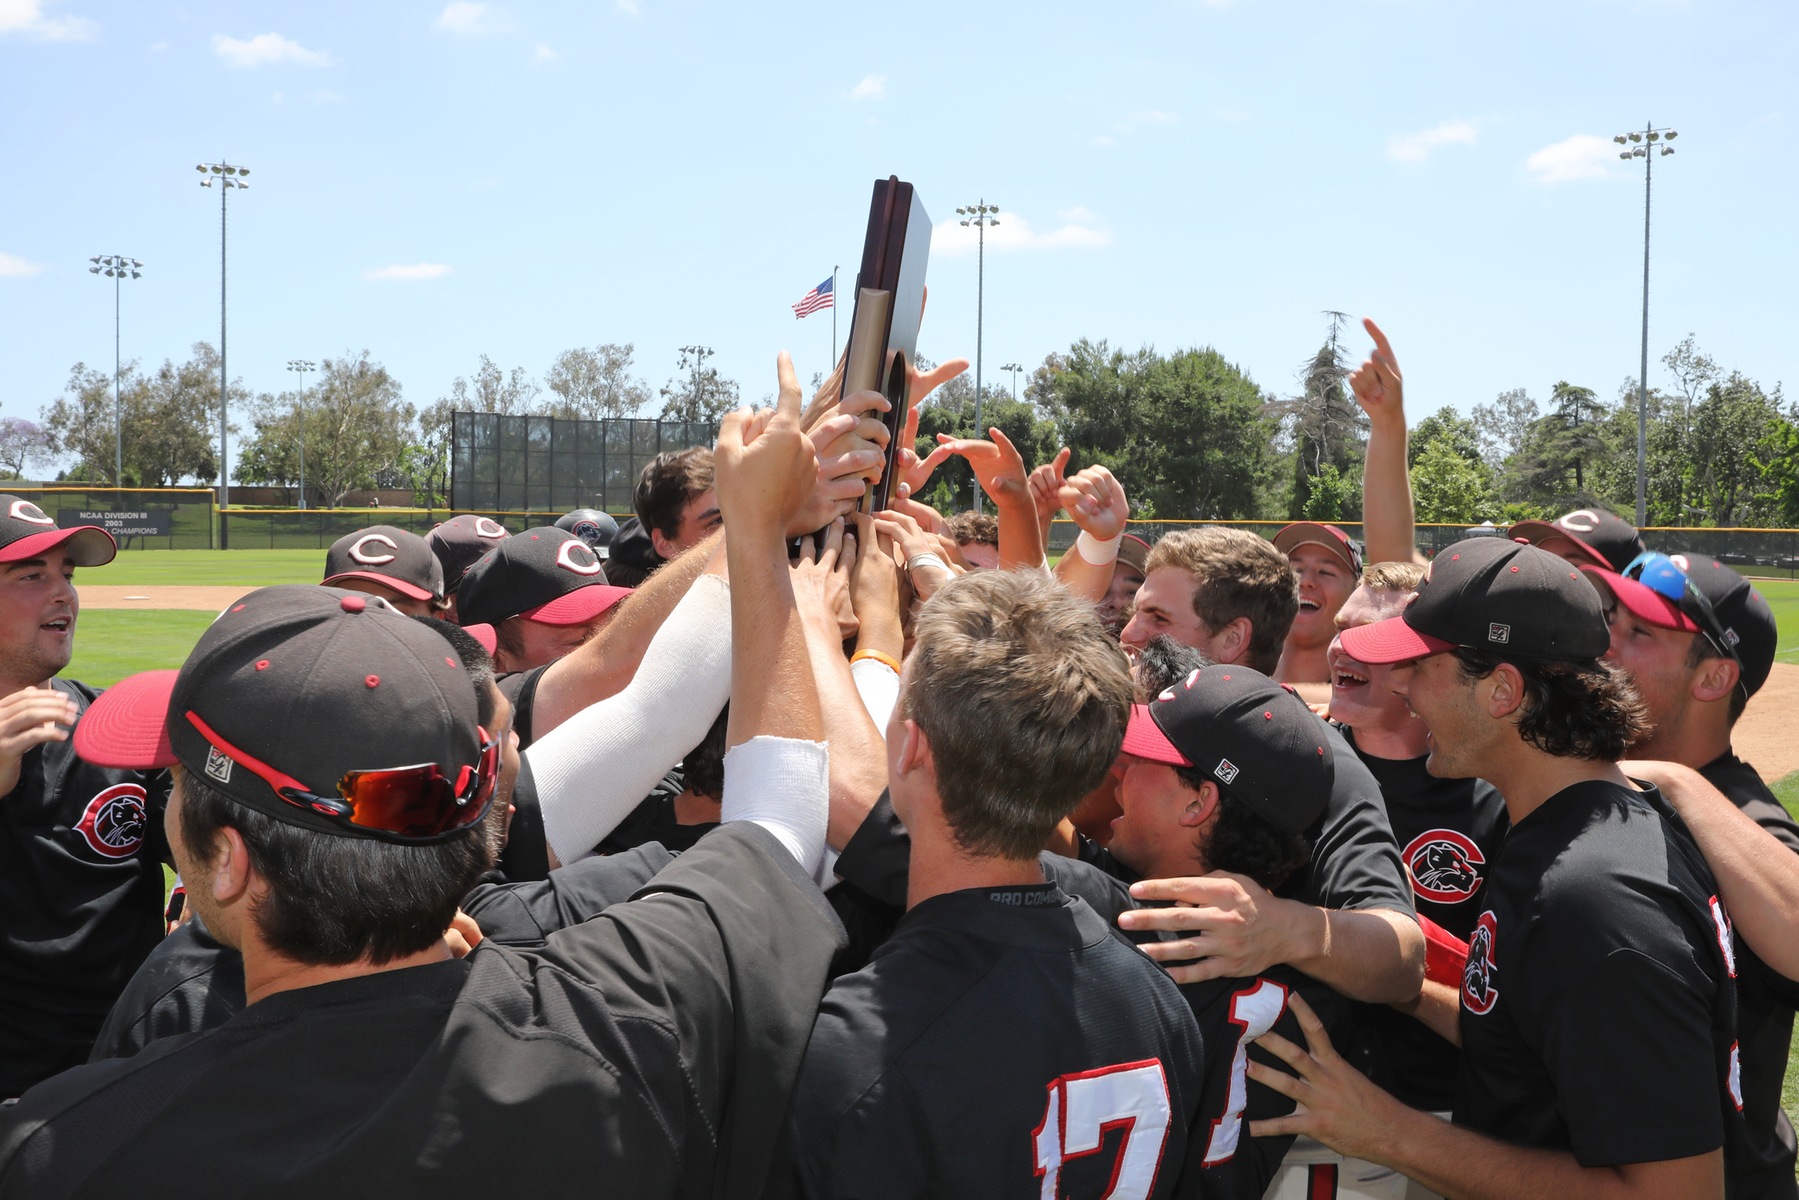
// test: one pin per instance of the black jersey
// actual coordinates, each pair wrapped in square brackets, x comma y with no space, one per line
[1598,1015]
[649,1052]
[1765,1003]
[81,852]
[1449,832]
[1004,1042]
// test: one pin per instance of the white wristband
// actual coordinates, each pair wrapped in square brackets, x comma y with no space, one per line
[1095,551]
[927,559]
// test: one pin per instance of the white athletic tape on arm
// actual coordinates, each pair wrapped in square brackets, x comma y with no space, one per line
[1095,551]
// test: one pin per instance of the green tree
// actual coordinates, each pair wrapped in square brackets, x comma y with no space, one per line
[698,392]
[355,423]
[596,383]
[950,410]
[1325,423]
[1730,429]
[80,423]
[1448,487]
[1504,425]
[1448,426]
[171,424]
[1332,496]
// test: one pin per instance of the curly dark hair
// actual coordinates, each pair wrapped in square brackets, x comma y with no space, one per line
[1243,842]
[1588,710]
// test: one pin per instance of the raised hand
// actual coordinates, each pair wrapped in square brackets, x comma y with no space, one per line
[1096,501]
[765,467]
[1377,384]
[851,447]
[1046,487]
[821,581]
[30,717]
[996,464]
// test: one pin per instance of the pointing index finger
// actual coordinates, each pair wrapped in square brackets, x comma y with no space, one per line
[788,401]
[1381,345]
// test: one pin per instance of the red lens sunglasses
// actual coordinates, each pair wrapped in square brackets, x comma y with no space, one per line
[401,804]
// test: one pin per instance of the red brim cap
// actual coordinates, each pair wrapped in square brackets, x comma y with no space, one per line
[1644,602]
[1535,532]
[399,585]
[1145,739]
[1390,641]
[89,545]
[577,607]
[128,726]
[483,634]
[1310,533]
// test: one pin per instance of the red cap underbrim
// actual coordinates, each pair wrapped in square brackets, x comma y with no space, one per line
[1390,641]
[577,607]
[1644,602]
[1145,739]
[128,725]
[89,545]
[399,585]
[485,635]
[1310,533]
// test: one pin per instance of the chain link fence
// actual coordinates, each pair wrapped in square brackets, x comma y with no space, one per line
[529,462]
[137,518]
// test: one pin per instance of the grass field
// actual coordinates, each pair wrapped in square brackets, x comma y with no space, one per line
[113,643]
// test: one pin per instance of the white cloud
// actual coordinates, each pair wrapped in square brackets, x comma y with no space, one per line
[14,267]
[1080,229]
[1583,156]
[1416,147]
[466,19]
[407,272]
[27,17]
[628,7]
[872,87]
[263,49]
[544,54]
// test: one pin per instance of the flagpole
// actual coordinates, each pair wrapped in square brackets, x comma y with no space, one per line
[834,316]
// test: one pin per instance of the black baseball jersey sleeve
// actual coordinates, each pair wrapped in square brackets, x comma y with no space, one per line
[1597,1009]
[1765,1004]
[81,853]
[1355,861]
[649,1052]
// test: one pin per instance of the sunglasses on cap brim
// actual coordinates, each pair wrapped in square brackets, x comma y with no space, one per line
[398,804]
[1663,576]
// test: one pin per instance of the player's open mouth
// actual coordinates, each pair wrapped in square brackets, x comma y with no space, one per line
[1304,603]
[1344,678]
[59,625]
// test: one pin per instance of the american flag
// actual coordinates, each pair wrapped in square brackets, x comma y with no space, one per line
[818,298]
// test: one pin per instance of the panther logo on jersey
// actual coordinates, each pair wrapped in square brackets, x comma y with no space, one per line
[113,822]
[1479,992]
[1445,865]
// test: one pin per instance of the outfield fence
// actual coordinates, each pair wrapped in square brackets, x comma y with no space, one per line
[189,519]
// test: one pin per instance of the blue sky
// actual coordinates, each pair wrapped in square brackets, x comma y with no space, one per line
[435,181]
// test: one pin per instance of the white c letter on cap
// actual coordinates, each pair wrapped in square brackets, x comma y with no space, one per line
[565,561]
[25,510]
[489,528]
[372,560]
[1581,520]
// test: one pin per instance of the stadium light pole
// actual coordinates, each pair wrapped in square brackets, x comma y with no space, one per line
[301,365]
[227,177]
[1015,369]
[979,215]
[117,268]
[1644,145]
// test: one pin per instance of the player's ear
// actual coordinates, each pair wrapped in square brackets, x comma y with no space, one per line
[1233,640]
[915,750]
[232,871]
[1716,679]
[1503,690]
[1201,807]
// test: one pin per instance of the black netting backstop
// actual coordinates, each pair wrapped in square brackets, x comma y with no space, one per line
[520,462]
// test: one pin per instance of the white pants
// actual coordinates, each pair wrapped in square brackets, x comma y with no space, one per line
[1313,1171]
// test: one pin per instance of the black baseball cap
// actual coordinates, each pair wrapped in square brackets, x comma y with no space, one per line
[26,532]
[1326,537]
[1746,620]
[1256,738]
[388,555]
[1607,539]
[295,686]
[592,526]
[544,574]
[460,541]
[1493,594]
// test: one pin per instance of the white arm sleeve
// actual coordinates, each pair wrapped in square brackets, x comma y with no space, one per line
[878,686]
[598,765]
[783,785]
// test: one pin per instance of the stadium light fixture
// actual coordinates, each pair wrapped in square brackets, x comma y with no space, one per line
[980,215]
[117,268]
[1653,135]
[1015,369]
[225,174]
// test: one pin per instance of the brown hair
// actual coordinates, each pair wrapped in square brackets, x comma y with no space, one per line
[1572,710]
[1393,576]
[1023,698]
[667,483]
[1235,574]
[973,529]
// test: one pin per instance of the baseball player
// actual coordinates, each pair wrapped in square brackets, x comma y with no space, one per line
[543,590]
[592,526]
[1327,563]
[1699,641]
[990,953]
[650,1048]
[1597,1016]
[1586,537]
[391,563]
[459,543]
[80,845]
